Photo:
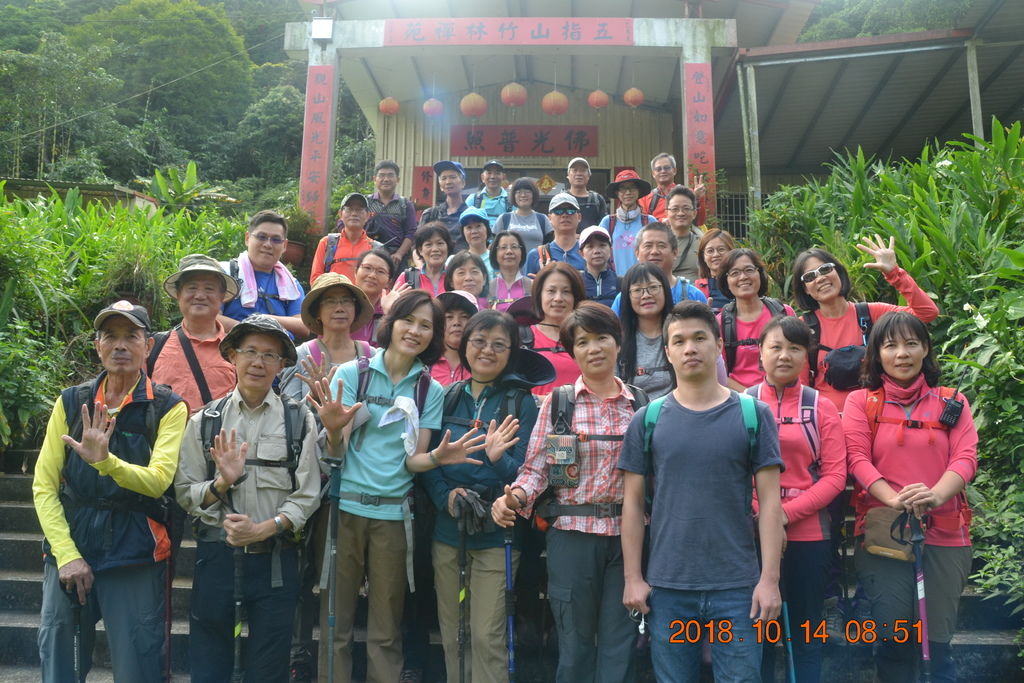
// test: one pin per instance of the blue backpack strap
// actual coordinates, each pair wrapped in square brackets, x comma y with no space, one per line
[650,419]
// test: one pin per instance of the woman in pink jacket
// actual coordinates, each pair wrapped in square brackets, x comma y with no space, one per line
[903,457]
[814,453]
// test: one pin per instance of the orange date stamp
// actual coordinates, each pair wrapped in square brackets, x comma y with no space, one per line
[856,632]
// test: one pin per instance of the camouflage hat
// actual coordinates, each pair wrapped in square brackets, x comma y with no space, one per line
[259,323]
[200,263]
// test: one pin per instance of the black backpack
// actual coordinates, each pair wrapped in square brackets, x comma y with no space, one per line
[526,341]
[729,332]
[843,364]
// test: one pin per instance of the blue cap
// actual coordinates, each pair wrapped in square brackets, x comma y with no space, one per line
[447,165]
[474,214]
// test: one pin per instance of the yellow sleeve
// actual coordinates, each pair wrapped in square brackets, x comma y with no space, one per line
[46,489]
[153,479]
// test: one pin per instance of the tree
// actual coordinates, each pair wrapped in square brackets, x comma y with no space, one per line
[270,135]
[837,19]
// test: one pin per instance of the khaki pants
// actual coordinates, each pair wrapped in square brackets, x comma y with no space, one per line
[375,549]
[486,653]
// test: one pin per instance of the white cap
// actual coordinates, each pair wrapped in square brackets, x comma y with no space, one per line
[591,231]
[578,160]
[563,198]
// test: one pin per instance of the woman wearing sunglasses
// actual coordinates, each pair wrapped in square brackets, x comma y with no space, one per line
[820,287]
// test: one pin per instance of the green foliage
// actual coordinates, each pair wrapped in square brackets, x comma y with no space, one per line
[836,19]
[956,216]
[31,375]
[270,135]
[184,191]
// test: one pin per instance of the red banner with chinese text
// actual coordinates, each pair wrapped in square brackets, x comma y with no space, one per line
[422,186]
[317,141]
[509,31]
[528,141]
[700,123]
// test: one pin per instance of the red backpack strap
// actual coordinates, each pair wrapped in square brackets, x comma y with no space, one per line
[873,408]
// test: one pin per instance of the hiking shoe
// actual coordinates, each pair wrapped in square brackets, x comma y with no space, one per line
[835,624]
[300,672]
[411,676]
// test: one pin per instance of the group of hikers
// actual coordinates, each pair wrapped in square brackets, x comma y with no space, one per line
[603,408]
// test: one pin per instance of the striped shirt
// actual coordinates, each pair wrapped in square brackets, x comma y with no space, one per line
[599,476]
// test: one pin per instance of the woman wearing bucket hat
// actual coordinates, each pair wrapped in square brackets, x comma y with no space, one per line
[332,310]
[627,221]
[458,306]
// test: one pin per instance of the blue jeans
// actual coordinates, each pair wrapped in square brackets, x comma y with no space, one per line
[678,622]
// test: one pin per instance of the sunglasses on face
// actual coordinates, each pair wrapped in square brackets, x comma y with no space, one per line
[812,275]
[565,211]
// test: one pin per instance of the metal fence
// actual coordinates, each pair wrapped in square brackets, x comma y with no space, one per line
[732,213]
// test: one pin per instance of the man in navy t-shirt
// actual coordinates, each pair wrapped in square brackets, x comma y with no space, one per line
[702,564]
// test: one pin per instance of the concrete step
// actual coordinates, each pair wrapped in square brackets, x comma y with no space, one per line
[98,674]
[16,487]
[23,551]
[18,517]
[18,461]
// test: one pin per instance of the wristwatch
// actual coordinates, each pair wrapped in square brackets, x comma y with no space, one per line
[278,525]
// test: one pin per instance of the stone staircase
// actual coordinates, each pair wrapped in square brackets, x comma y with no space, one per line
[984,647]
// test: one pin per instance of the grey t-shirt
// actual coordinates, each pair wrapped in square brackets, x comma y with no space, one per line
[531,228]
[702,529]
[658,374]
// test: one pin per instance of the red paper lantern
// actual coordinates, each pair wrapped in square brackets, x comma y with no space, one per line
[433,108]
[598,99]
[513,95]
[473,105]
[634,97]
[555,103]
[388,106]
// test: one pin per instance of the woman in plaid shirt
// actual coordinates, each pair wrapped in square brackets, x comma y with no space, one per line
[585,571]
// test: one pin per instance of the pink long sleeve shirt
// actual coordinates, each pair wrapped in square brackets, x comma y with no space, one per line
[916,460]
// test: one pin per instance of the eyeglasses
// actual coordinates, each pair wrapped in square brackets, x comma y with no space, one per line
[337,301]
[682,209]
[509,247]
[812,275]
[637,292]
[263,237]
[266,356]
[387,175]
[480,344]
[711,251]
[565,211]
[749,271]
[366,268]
[664,169]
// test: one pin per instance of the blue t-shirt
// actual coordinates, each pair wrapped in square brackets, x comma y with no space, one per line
[266,301]
[573,257]
[375,458]
[492,206]
[692,294]
[702,529]
[624,239]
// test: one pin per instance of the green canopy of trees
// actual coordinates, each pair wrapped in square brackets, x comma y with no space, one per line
[836,19]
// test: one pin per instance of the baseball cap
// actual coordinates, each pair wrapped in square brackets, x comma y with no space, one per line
[592,231]
[447,165]
[578,160]
[494,162]
[136,315]
[473,214]
[563,198]
[355,195]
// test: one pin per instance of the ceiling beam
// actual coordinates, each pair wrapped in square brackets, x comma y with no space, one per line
[926,92]
[869,102]
[996,73]
[780,94]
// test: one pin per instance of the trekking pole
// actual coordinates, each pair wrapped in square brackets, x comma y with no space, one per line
[331,558]
[237,675]
[510,607]
[790,662]
[462,598]
[76,643]
[917,542]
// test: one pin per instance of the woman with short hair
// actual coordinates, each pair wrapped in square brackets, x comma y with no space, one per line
[507,257]
[433,245]
[711,250]
[532,226]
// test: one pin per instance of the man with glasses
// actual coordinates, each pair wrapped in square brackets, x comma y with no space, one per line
[249,477]
[663,171]
[657,244]
[392,216]
[564,214]
[109,455]
[593,206]
[492,197]
[265,285]
[681,211]
[451,178]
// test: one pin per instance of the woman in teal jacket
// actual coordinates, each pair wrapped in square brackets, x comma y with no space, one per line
[497,399]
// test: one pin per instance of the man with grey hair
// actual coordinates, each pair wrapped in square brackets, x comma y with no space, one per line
[657,244]
[663,171]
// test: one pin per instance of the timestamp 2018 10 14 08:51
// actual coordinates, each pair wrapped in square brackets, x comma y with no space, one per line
[856,632]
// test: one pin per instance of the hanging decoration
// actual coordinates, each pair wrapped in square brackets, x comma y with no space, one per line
[634,97]
[473,105]
[555,103]
[388,106]
[598,99]
[433,108]
[513,95]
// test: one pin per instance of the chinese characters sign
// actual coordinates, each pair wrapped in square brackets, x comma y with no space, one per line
[524,141]
[509,31]
[317,143]
[700,121]
[422,186]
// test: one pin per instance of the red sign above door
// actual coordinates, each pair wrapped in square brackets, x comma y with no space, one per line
[524,141]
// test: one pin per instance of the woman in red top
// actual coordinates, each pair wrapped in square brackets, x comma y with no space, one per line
[814,453]
[433,244]
[820,287]
[902,457]
[557,291]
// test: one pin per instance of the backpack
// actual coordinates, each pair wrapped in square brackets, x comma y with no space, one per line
[612,220]
[371,228]
[477,200]
[526,341]
[808,420]
[543,255]
[748,406]
[843,364]
[412,277]
[362,349]
[510,405]
[363,369]
[160,339]
[729,333]
[233,272]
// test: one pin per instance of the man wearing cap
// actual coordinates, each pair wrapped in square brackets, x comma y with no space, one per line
[657,244]
[265,284]
[564,214]
[599,279]
[629,218]
[593,206]
[492,197]
[392,216]
[188,357]
[108,457]
[339,251]
[249,477]
[451,178]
